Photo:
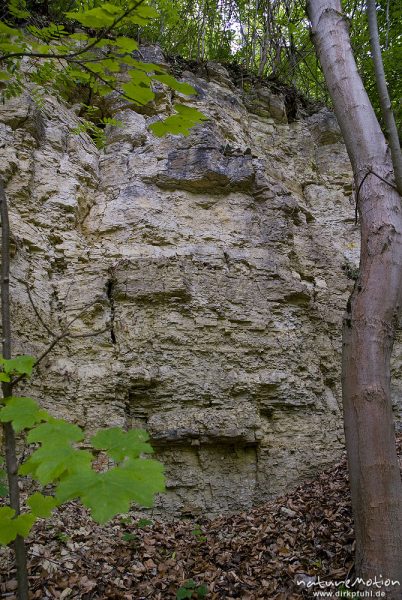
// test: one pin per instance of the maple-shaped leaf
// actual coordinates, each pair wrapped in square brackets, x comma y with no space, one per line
[121,444]
[146,479]
[110,493]
[11,526]
[40,505]
[20,365]
[183,88]
[181,122]
[57,432]
[22,412]
[50,462]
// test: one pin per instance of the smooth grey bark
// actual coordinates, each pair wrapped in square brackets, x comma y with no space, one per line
[385,101]
[372,312]
[9,436]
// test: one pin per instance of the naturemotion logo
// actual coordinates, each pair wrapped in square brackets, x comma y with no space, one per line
[347,588]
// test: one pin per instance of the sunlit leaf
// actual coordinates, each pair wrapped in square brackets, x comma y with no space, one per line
[20,365]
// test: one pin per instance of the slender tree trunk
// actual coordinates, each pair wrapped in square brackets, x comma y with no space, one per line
[372,312]
[9,437]
[385,101]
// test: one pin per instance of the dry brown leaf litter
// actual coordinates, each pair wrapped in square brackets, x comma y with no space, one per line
[259,554]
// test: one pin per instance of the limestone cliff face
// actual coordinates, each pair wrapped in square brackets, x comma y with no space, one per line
[215,268]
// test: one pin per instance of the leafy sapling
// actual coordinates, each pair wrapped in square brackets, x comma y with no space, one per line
[191,590]
[58,461]
[199,534]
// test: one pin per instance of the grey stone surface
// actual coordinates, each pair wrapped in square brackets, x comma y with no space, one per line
[213,278]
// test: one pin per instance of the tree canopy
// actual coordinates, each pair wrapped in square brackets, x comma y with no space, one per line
[267,38]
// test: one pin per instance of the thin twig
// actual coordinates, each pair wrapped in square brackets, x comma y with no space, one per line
[97,39]
[369,172]
[35,308]
[57,339]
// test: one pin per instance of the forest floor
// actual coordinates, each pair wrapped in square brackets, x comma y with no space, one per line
[271,552]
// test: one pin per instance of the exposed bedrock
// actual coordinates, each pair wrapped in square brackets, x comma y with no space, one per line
[214,271]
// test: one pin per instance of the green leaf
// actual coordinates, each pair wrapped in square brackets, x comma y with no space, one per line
[97,18]
[143,523]
[121,444]
[50,462]
[186,590]
[126,44]
[17,9]
[145,477]
[11,526]
[10,48]
[21,365]
[8,31]
[3,376]
[41,506]
[130,537]
[202,591]
[8,529]
[138,93]
[175,125]
[190,113]
[142,15]
[110,493]
[22,412]
[57,432]
[142,66]
[111,65]
[182,122]
[24,523]
[74,485]
[183,88]
[105,497]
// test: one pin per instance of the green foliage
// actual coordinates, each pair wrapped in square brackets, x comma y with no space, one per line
[12,525]
[22,412]
[199,534]
[21,365]
[185,118]
[190,589]
[58,461]
[96,130]
[130,537]
[261,38]
[41,506]
[121,444]
[17,8]
[107,494]
[75,59]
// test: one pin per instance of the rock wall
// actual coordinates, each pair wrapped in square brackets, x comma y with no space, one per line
[211,272]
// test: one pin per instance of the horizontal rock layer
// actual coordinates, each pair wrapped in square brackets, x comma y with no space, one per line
[211,273]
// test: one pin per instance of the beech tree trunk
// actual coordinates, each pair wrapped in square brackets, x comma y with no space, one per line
[373,310]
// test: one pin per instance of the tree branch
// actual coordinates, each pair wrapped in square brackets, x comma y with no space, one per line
[97,39]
